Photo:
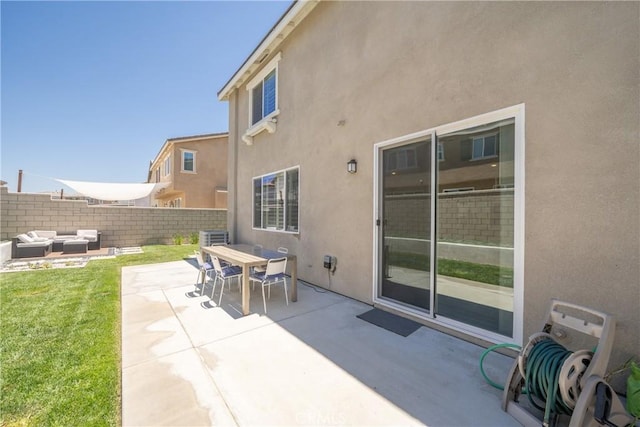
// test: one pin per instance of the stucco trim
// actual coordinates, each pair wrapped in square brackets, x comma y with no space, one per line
[287,23]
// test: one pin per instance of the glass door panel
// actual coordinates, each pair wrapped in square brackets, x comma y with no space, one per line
[406,223]
[475,226]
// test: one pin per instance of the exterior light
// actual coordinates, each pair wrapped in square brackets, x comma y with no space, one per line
[352,166]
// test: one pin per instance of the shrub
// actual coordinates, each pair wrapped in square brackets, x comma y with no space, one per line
[194,238]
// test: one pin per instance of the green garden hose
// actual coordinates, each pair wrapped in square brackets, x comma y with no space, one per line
[543,375]
[485,353]
[542,370]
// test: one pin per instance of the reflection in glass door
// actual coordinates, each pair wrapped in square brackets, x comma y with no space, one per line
[475,227]
[406,223]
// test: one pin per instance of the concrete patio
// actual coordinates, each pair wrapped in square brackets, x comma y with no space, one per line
[310,363]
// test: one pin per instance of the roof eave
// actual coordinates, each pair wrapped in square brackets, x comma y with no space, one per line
[287,23]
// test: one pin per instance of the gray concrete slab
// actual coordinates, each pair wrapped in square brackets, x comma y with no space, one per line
[187,361]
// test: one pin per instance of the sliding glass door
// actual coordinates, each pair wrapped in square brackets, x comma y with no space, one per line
[453,254]
[406,223]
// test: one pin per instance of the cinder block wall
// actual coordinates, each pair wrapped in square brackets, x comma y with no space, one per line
[120,226]
[481,217]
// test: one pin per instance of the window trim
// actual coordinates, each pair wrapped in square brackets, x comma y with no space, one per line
[182,153]
[266,122]
[275,230]
[166,166]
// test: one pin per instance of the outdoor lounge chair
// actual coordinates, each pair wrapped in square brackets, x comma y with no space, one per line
[24,246]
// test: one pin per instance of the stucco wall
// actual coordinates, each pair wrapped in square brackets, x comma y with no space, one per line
[120,226]
[203,187]
[356,73]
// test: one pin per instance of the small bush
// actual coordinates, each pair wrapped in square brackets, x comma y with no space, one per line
[177,239]
[194,238]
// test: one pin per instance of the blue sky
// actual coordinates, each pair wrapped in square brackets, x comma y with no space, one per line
[91,90]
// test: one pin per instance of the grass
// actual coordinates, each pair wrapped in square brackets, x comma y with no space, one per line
[485,273]
[60,341]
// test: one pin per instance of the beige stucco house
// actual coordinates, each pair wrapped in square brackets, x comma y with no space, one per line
[195,168]
[496,149]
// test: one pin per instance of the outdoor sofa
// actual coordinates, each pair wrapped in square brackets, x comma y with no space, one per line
[39,243]
[91,236]
[24,246]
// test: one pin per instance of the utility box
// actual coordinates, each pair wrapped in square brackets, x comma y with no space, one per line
[213,237]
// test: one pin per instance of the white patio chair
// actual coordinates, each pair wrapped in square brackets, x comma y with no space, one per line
[272,275]
[204,269]
[224,274]
[257,268]
[260,269]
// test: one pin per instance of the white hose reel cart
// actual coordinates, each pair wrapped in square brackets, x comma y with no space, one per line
[558,377]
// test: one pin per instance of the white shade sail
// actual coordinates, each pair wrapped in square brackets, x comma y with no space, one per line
[113,191]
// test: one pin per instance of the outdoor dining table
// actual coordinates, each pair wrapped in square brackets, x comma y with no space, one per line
[248,256]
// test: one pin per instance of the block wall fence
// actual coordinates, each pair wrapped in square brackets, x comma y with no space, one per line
[484,217]
[120,226]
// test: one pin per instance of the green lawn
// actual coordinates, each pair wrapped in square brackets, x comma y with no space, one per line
[60,341]
[485,273]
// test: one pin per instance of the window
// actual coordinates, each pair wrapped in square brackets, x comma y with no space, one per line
[167,166]
[484,146]
[275,201]
[188,161]
[263,90]
[402,159]
[440,152]
[158,174]
[263,98]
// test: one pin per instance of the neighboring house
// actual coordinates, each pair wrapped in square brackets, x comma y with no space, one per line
[444,106]
[196,168]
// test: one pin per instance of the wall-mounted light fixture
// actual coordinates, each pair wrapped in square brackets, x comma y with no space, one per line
[352,166]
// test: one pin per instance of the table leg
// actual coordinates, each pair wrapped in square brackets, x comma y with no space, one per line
[245,290]
[294,280]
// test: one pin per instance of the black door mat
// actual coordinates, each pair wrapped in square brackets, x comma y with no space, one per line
[390,322]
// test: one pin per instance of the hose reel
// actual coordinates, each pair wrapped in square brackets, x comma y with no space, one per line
[559,381]
[570,373]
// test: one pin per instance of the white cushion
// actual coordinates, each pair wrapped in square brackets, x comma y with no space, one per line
[25,238]
[35,237]
[91,235]
[45,233]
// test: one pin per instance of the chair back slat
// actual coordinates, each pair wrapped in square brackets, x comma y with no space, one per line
[199,258]
[276,266]
[216,264]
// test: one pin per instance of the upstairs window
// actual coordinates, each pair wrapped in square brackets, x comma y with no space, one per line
[263,98]
[167,166]
[263,92]
[188,161]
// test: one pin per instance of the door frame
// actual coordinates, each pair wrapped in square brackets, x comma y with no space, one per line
[518,113]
